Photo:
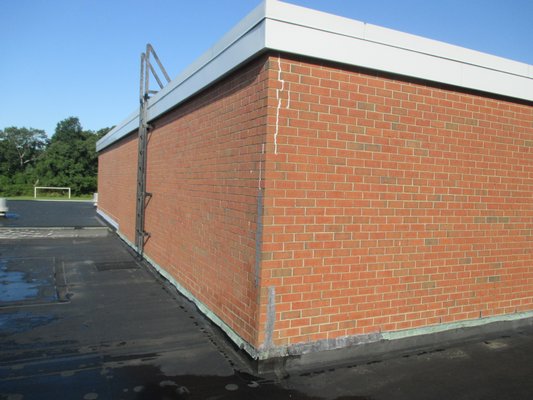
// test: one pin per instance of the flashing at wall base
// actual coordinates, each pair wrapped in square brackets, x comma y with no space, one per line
[108,219]
[331,351]
[381,346]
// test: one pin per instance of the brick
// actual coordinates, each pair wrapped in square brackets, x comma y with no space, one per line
[405,201]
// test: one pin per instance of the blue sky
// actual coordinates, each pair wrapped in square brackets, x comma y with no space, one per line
[61,58]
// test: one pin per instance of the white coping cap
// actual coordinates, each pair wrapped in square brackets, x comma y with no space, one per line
[282,27]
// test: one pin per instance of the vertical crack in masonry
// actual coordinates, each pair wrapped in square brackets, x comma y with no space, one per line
[278,93]
[261,165]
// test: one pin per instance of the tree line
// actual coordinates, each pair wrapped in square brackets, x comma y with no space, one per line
[29,158]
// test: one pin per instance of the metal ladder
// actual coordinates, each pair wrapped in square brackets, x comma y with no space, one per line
[141,236]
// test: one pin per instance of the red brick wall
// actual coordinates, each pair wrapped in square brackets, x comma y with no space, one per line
[392,205]
[203,171]
[117,183]
[388,205]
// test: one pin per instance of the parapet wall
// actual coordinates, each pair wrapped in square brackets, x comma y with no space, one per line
[305,205]
[392,207]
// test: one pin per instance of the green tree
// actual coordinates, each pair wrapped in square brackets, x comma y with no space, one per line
[70,159]
[69,130]
[20,149]
[28,157]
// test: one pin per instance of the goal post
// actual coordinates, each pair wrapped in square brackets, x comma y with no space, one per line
[35,188]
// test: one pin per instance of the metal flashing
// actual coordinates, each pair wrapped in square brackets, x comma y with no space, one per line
[282,27]
[107,218]
[240,44]
[232,335]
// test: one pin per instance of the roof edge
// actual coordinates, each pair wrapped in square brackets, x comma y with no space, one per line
[316,34]
[283,27]
[240,44]
[377,35]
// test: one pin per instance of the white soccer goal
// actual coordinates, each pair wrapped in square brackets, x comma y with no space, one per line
[49,188]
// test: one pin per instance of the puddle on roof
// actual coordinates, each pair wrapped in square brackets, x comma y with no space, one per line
[147,382]
[19,322]
[14,286]
[27,281]
[11,215]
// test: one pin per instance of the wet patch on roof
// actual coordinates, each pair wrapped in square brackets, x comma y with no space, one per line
[25,281]
[19,322]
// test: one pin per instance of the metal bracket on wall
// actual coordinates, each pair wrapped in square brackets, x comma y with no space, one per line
[145,92]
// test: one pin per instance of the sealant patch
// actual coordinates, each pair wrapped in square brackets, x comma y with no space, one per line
[231,387]
[111,266]
[496,344]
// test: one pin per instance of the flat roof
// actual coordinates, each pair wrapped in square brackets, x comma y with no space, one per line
[283,27]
